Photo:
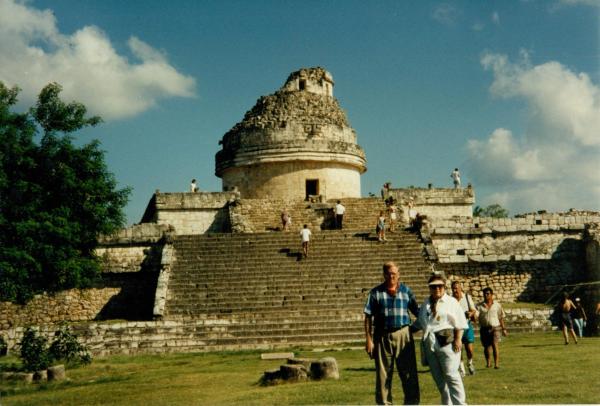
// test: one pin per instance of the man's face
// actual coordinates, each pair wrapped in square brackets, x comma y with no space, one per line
[456,289]
[488,295]
[391,276]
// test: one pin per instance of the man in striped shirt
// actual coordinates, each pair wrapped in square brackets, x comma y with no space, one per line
[388,337]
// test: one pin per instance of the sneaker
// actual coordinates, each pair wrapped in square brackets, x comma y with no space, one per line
[471,369]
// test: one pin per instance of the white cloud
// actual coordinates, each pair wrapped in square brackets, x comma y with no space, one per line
[593,3]
[496,18]
[555,164]
[446,14]
[33,53]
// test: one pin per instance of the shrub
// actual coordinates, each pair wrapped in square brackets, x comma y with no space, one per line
[34,351]
[66,347]
[3,347]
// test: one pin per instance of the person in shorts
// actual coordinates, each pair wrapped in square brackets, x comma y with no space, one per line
[468,305]
[491,327]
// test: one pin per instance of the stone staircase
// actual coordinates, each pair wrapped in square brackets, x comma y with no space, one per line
[254,290]
[264,215]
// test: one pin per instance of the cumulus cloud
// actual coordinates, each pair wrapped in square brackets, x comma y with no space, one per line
[555,163]
[593,3]
[33,53]
[446,14]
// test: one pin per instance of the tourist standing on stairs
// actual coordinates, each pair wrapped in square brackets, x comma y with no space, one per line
[381,227]
[491,325]
[455,175]
[466,303]
[339,214]
[286,220]
[443,321]
[305,235]
[388,337]
[579,317]
[393,210]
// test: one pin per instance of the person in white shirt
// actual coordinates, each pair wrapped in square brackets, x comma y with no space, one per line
[443,322]
[193,186]
[305,235]
[455,175]
[339,214]
[491,326]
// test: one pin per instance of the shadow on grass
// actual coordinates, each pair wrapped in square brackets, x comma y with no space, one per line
[542,345]
[362,369]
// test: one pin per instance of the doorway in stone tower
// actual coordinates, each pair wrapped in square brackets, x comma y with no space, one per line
[312,188]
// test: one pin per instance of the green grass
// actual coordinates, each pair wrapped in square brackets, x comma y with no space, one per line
[535,368]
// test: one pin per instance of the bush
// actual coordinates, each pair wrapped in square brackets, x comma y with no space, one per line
[34,351]
[66,347]
[3,347]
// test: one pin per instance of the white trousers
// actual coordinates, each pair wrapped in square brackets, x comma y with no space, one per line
[443,364]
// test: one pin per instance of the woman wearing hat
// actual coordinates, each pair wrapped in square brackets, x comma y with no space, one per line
[443,322]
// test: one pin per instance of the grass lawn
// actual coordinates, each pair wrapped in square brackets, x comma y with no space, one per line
[535,368]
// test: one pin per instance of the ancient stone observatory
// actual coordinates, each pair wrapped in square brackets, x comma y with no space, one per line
[293,144]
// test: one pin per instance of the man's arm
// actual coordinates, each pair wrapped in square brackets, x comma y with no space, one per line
[369,335]
[501,319]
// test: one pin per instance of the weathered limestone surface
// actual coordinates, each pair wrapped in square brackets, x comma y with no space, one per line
[532,237]
[297,134]
[190,213]
[436,203]
[131,261]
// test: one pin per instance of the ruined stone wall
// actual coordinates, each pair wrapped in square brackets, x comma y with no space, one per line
[191,213]
[592,252]
[527,258]
[436,203]
[287,180]
[534,236]
[131,260]
[515,281]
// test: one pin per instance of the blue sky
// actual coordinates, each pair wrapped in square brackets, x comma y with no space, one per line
[508,91]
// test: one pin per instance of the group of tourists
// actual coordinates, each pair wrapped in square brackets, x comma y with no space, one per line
[571,315]
[446,323]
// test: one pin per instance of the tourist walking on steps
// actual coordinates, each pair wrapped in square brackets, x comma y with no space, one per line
[305,235]
[389,340]
[468,306]
[443,321]
[455,175]
[339,214]
[381,227]
[491,327]
[579,317]
[286,220]
[565,307]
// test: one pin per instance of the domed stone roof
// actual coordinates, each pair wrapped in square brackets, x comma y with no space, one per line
[302,121]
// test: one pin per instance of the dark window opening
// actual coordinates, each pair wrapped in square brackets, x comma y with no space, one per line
[538,222]
[312,187]
[302,84]
[460,252]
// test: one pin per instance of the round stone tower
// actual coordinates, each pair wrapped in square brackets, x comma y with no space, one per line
[293,144]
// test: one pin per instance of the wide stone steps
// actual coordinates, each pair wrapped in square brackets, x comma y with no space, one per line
[254,290]
[361,213]
[267,330]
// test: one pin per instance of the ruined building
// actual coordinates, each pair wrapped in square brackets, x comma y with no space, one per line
[293,144]
[213,270]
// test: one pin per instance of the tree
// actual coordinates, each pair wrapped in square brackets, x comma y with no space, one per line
[493,210]
[55,198]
